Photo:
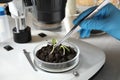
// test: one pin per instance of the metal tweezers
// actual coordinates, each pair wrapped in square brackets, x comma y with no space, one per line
[105,2]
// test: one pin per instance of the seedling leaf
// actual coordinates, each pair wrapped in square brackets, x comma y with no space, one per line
[67,48]
[64,48]
[54,41]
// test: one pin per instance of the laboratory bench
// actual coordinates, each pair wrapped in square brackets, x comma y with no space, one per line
[111,47]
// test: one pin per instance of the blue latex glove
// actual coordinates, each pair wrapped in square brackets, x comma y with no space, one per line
[107,20]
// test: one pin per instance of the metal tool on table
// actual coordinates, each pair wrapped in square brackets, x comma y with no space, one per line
[105,2]
[27,54]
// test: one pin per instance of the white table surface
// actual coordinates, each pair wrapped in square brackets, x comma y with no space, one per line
[111,46]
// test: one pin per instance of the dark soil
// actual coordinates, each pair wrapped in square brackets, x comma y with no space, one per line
[57,56]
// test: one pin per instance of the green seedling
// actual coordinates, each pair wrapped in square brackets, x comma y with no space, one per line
[54,41]
[64,48]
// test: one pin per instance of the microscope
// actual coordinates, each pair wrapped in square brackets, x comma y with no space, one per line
[48,14]
[21,32]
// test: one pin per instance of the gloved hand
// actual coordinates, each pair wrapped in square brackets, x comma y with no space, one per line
[107,20]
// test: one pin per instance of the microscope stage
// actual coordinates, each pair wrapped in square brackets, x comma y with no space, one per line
[15,66]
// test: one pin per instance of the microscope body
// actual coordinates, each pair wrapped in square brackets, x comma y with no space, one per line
[48,14]
[21,32]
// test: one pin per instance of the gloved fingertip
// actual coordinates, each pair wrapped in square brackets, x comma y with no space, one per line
[84,33]
[82,36]
[88,33]
[81,33]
